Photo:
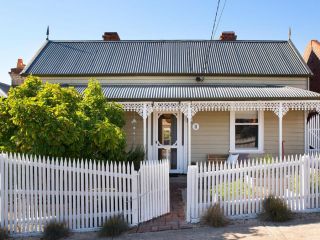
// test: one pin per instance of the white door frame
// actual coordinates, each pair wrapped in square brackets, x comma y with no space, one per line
[154,146]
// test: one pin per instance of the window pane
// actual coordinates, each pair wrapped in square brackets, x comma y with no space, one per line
[167,134]
[247,117]
[170,154]
[246,136]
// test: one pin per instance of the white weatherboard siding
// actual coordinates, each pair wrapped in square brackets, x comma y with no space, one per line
[293,133]
[2,93]
[133,141]
[212,136]
[298,82]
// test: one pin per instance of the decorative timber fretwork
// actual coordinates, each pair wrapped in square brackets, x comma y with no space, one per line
[144,109]
[280,108]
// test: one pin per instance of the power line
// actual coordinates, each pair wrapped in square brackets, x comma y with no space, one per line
[211,38]
[224,5]
[215,19]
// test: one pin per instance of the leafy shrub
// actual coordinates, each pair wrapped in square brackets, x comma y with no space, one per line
[55,230]
[3,234]
[114,226]
[214,216]
[276,210]
[268,159]
[135,156]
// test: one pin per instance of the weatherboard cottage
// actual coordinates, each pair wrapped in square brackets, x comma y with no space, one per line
[186,100]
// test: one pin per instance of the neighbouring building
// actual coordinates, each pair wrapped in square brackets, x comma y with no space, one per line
[312,58]
[16,78]
[186,100]
[4,89]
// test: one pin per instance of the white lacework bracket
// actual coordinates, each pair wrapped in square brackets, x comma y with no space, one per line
[143,109]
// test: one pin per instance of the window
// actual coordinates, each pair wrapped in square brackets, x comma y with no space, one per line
[246,131]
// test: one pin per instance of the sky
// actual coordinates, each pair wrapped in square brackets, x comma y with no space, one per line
[23,24]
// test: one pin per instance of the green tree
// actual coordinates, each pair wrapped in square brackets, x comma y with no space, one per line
[103,124]
[47,119]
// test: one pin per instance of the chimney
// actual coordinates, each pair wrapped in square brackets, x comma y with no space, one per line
[228,36]
[20,64]
[16,78]
[110,36]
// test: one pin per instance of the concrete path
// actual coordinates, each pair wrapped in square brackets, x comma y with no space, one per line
[303,227]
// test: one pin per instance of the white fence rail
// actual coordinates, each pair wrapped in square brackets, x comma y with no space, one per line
[241,188]
[81,193]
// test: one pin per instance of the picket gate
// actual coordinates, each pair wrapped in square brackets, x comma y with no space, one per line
[83,194]
[313,134]
[240,188]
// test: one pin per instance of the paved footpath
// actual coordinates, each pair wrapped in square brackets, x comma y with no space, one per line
[306,227]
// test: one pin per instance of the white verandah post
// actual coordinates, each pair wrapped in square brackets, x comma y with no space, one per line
[280,116]
[189,116]
[144,116]
[281,111]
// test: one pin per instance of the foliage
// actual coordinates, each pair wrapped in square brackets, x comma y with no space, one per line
[114,226]
[268,159]
[232,188]
[4,234]
[47,119]
[135,156]
[276,210]
[55,230]
[214,216]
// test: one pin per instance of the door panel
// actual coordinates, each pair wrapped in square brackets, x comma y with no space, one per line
[170,154]
[168,139]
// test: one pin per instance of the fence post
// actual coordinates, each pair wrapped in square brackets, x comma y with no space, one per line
[307,181]
[192,197]
[135,196]
[304,191]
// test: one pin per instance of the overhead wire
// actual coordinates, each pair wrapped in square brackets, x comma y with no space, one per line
[204,69]
[215,19]
[224,5]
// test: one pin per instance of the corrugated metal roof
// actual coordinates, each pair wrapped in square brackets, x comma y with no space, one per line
[4,89]
[202,92]
[167,57]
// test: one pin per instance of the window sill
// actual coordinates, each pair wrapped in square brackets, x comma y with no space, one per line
[257,151]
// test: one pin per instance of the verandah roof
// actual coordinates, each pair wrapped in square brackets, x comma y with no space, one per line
[202,92]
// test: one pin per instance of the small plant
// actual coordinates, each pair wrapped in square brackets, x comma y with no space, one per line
[214,216]
[3,234]
[135,156]
[55,230]
[268,159]
[276,210]
[114,226]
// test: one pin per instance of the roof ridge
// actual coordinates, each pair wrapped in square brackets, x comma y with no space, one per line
[168,40]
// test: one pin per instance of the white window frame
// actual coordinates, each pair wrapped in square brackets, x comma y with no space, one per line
[260,148]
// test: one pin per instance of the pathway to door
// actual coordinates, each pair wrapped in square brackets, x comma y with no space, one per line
[176,218]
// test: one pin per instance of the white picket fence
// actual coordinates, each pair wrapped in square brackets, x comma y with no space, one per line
[241,188]
[313,134]
[83,194]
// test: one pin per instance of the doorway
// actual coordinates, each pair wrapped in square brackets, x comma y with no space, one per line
[167,139]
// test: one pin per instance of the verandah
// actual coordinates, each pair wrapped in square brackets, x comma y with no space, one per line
[190,108]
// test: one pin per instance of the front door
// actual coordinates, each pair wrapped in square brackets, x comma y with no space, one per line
[167,139]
